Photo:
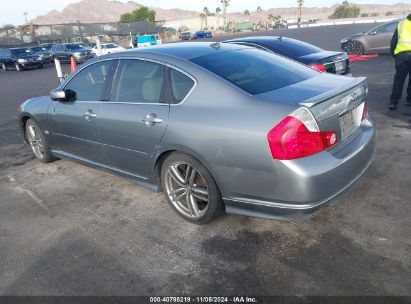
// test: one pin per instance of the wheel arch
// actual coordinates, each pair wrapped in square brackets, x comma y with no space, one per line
[23,121]
[165,152]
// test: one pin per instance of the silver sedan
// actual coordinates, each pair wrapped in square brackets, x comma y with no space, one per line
[216,127]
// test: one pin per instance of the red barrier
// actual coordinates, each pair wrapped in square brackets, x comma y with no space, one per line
[362,57]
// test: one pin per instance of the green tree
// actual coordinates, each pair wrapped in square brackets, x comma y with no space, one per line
[259,9]
[204,15]
[140,14]
[364,15]
[346,10]
[246,13]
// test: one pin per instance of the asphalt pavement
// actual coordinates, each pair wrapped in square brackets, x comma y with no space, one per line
[66,229]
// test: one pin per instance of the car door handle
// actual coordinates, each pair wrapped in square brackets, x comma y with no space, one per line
[151,119]
[89,114]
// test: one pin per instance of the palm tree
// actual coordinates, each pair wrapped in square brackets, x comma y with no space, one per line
[206,13]
[225,3]
[203,17]
[246,13]
[218,11]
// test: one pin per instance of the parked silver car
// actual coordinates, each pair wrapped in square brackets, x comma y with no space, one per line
[377,40]
[214,126]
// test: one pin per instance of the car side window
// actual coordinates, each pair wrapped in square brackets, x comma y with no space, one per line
[181,85]
[138,81]
[389,28]
[88,84]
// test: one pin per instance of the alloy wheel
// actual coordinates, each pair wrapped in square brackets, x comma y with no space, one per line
[187,189]
[35,141]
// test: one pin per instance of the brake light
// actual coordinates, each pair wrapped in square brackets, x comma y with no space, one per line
[319,67]
[298,136]
[364,112]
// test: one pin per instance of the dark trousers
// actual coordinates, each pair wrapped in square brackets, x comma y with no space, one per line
[402,69]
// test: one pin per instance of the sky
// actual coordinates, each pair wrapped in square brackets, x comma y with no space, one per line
[11,11]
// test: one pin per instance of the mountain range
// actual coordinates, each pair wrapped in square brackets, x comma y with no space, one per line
[95,11]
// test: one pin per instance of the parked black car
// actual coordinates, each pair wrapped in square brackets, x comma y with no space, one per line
[20,59]
[43,52]
[65,51]
[308,54]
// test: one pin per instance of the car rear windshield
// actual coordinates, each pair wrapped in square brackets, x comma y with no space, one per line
[290,47]
[73,47]
[255,71]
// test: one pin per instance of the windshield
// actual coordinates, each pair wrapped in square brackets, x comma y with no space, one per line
[39,49]
[17,52]
[255,71]
[46,47]
[73,47]
[111,46]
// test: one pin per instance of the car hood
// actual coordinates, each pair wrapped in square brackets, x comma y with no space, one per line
[312,91]
[31,56]
[354,36]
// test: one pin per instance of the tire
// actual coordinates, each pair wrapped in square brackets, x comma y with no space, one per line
[38,142]
[18,67]
[3,66]
[355,48]
[198,187]
[41,66]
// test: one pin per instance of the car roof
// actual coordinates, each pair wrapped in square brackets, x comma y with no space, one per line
[187,50]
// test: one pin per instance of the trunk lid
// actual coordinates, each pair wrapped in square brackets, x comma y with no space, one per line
[336,102]
[335,62]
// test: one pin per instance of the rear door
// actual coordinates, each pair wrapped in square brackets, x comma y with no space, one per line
[135,118]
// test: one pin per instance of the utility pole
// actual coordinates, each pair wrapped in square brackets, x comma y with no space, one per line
[300,5]
[25,17]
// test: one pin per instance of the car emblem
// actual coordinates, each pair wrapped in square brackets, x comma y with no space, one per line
[356,94]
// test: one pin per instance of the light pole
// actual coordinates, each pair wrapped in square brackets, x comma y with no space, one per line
[300,5]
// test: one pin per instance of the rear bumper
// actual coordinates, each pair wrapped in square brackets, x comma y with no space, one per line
[300,187]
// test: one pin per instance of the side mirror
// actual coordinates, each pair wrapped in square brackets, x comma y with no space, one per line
[58,95]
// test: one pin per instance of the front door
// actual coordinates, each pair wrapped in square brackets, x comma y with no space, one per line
[133,122]
[74,122]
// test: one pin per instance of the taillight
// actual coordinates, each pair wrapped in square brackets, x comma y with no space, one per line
[364,112]
[319,67]
[298,136]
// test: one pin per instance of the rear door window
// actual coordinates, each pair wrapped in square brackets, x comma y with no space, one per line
[255,71]
[138,81]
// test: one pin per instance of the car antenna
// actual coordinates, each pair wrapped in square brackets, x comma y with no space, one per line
[215,45]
